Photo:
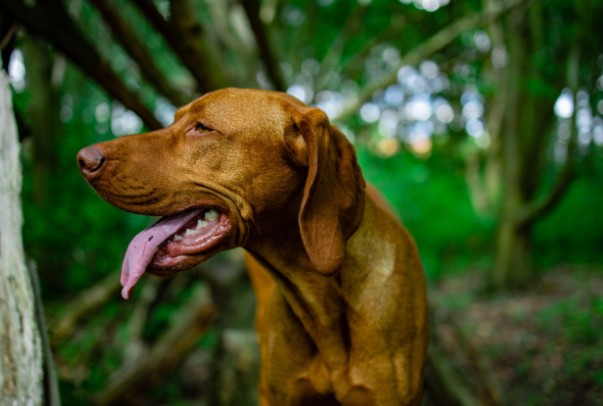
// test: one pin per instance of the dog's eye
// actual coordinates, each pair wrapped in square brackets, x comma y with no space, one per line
[202,128]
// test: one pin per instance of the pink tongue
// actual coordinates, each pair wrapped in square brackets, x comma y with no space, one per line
[142,248]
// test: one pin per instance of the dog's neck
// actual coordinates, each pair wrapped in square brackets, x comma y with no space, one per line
[319,302]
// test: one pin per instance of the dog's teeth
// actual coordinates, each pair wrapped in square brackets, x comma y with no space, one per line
[156,249]
[177,237]
[188,232]
[201,224]
[211,215]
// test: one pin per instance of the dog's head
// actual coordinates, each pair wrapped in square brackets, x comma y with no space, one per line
[234,161]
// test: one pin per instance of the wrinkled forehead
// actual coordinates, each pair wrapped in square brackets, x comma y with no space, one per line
[242,108]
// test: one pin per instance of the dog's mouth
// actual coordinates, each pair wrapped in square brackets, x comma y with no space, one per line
[174,243]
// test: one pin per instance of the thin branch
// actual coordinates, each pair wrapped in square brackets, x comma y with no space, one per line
[445,382]
[164,356]
[185,22]
[8,36]
[136,346]
[490,385]
[124,33]
[43,21]
[395,30]
[225,16]
[270,61]
[563,181]
[540,208]
[434,44]
[88,301]
[185,41]
[8,32]
[333,55]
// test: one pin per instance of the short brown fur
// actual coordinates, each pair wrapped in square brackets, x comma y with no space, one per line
[341,302]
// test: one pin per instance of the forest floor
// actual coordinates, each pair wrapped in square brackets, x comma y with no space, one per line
[539,347]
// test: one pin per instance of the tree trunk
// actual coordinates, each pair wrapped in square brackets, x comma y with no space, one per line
[20,347]
[511,255]
[513,265]
[43,80]
[525,134]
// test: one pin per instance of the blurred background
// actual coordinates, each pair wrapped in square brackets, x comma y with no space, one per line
[480,120]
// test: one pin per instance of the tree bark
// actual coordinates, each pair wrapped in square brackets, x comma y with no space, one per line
[268,56]
[21,376]
[128,38]
[43,20]
[44,111]
[511,250]
[183,35]
[52,396]
[512,265]
[525,134]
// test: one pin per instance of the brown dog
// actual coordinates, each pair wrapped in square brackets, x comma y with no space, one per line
[341,313]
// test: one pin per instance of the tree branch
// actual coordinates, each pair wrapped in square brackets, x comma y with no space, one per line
[477,189]
[332,57]
[137,346]
[225,16]
[540,208]
[43,21]
[445,383]
[127,37]
[8,36]
[272,67]
[8,31]
[268,10]
[85,303]
[464,378]
[191,33]
[166,354]
[496,113]
[438,41]
[182,35]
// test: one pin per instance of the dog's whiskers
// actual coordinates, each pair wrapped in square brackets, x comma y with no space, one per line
[256,224]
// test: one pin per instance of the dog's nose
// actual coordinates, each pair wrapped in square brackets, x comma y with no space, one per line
[90,160]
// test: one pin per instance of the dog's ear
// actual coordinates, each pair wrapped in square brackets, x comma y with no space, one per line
[333,197]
